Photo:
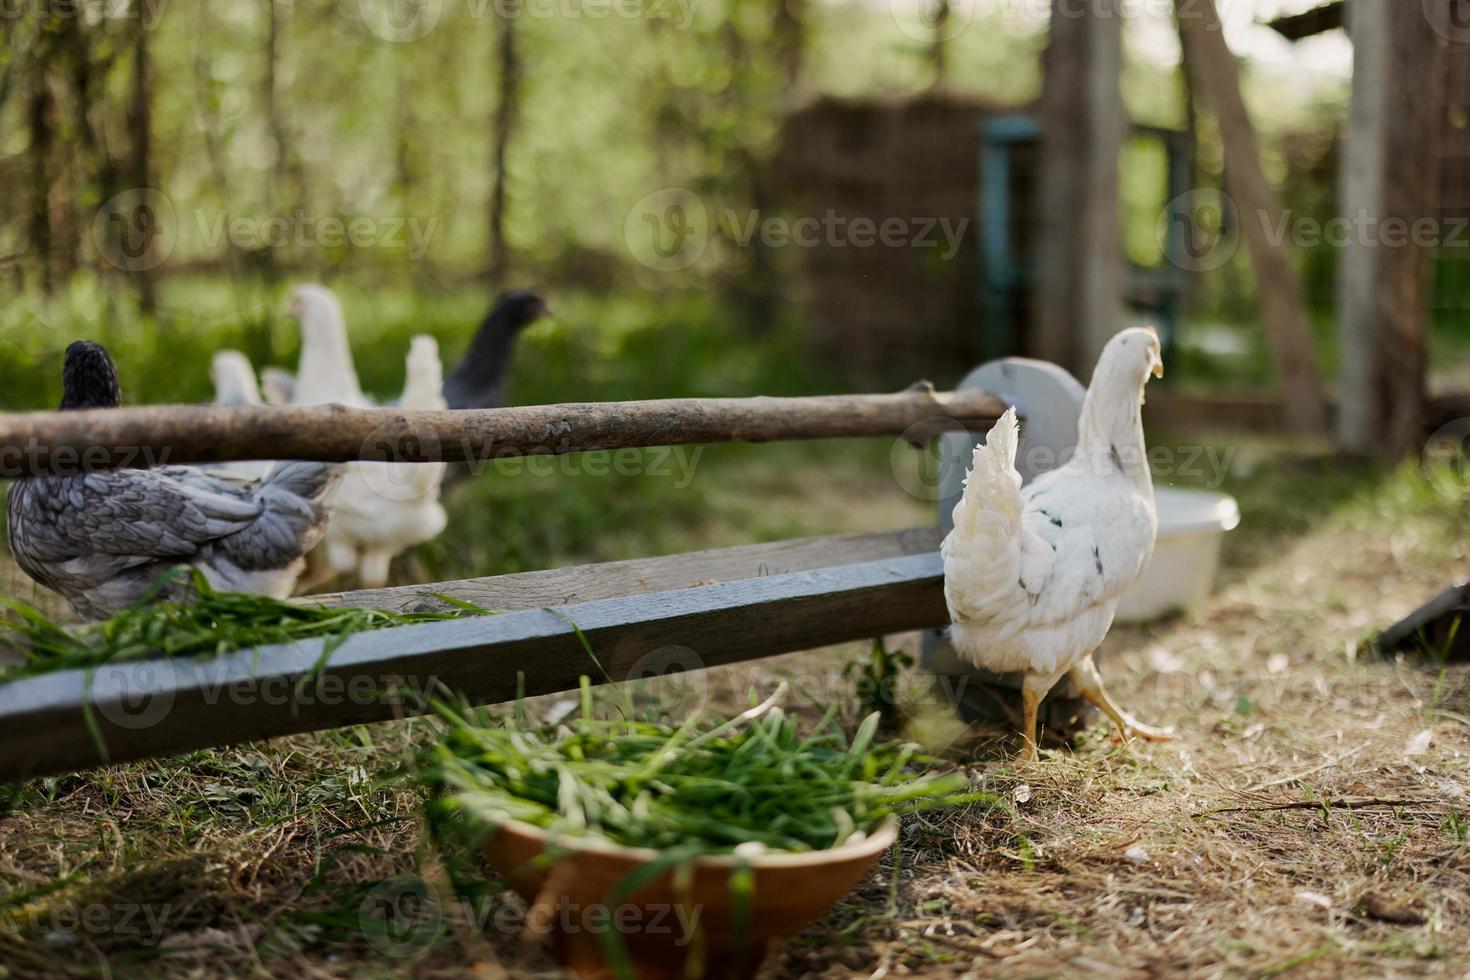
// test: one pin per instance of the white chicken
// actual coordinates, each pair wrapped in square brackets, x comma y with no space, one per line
[1033,575]
[381,509]
[234,384]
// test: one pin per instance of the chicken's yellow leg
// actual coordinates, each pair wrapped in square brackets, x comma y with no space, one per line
[1089,682]
[1033,689]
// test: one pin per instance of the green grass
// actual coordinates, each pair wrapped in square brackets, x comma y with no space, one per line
[205,622]
[630,345]
[701,788]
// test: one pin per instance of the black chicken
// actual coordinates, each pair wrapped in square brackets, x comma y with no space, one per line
[478,381]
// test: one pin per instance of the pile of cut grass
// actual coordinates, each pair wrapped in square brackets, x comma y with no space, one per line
[199,622]
[753,783]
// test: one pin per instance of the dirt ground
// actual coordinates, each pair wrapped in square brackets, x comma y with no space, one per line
[1311,819]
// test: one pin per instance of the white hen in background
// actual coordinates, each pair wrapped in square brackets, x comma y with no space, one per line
[234,384]
[381,509]
[1033,575]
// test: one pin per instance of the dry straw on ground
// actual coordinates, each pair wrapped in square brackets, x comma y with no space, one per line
[1312,819]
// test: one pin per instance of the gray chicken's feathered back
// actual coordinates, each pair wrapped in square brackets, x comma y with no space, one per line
[101,539]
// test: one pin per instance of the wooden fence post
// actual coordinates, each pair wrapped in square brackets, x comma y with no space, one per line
[1283,310]
[1389,181]
[1079,279]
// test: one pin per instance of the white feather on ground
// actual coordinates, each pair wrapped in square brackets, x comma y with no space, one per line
[1033,575]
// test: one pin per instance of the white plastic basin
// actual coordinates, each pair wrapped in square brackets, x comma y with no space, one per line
[1192,523]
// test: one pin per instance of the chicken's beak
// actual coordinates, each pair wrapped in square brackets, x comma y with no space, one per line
[1158,369]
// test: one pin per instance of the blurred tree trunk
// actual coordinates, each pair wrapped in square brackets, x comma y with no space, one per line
[507,109]
[739,182]
[40,120]
[276,184]
[140,125]
[97,168]
[789,35]
[938,49]
[1390,173]
[207,115]
[1078,294]
[1278,286]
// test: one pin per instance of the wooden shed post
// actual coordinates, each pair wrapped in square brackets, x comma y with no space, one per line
[1283,308]
[1389,186]
[1079,277]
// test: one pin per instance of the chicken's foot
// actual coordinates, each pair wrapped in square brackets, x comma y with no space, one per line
[1089,682]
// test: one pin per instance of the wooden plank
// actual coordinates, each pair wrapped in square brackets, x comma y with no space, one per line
[38,442]
[639,576]
[1279,288]
[161,707]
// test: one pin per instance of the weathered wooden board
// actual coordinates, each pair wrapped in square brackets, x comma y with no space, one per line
[639,576]
[42,442]
[162,707]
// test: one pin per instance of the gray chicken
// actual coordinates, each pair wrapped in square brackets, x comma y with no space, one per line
[102,539]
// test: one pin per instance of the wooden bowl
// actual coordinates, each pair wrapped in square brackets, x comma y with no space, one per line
[671,928]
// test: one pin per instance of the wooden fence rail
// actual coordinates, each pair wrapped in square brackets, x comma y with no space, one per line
[42,442]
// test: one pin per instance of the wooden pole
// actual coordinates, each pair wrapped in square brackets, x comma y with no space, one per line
[1079,285]
[33,443]
[1283,309]
[1389,186]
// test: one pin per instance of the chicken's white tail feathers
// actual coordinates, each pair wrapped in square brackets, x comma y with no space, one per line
[993,485]
[234,379]
[982,555]
[424,387]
